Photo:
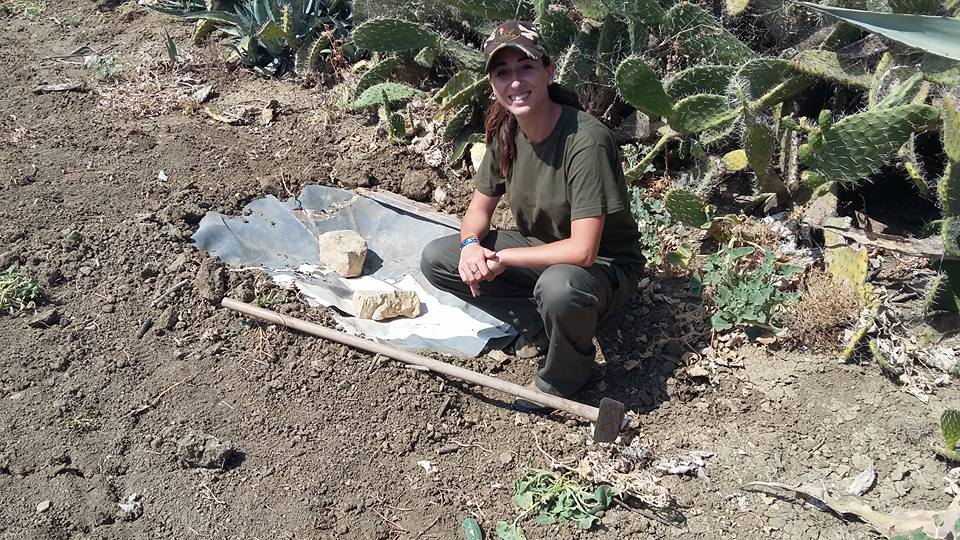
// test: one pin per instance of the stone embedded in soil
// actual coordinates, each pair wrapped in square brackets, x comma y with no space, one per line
[380,305]
[210,281]
[204,451]
[45,319]
[43,506]
[343,252]
[416,185]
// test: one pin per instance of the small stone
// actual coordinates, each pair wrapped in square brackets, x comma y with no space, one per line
[177,264]
[574,438]
[210,280]
[169,317]
[416,185]
[505,458]
[498,356]
[45,319]
[380,305]
[439,195]
[44,506]
[343,252]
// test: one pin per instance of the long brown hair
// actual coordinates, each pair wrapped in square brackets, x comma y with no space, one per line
[501,125]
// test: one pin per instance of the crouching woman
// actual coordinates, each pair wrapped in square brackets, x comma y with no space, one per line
[574,257]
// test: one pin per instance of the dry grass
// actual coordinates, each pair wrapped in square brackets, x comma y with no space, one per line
[818,319]
[156,88]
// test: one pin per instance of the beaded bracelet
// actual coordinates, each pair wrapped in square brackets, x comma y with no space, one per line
[469,240]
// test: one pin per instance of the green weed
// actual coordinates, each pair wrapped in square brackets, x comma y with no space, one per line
[18,291]
[34,9]
[652,219]
[746,291]
[107,67]
[555,499]
[270,300]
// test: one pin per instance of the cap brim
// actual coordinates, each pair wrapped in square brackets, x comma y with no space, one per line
[500,47]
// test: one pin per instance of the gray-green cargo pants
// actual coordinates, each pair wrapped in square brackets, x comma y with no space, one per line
[565,300]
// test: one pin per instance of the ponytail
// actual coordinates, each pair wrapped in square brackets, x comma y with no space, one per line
[501,126]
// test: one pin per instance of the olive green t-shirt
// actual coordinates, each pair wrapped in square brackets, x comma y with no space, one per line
[574,173]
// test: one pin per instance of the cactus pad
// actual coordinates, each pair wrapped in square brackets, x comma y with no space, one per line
[591,9]
[640,86]
[379,73]
[465,55]
[736,7]
[859,144]
[308,55]
[951,128]
[700,80]
[456,123]
[914,7]
[703,37]
[735,160]
[573,67]
[948,190]
[387,35]
[493,9]
[686,207]
[902,93]
[556,28]
[826,65]
[950,427]
[940,296]
[426,57]
[758,143]
[475,91]
[701,112]
[392,92]
[764,74]
[647,12]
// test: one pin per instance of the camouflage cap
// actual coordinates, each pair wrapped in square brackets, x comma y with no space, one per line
[517,34]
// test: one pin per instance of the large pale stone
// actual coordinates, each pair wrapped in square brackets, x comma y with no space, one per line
[343,252]
[379,305]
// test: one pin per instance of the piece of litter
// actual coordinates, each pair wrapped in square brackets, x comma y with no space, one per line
[863,482]
[162,176]
[428,466]
[693,462]
[62,87]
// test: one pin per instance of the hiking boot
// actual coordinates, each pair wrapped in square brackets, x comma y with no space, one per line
[527,406]
[526,349]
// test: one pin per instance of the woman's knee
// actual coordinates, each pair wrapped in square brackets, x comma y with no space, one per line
[558,288]
[436,256]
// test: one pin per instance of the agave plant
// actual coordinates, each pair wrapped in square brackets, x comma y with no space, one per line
[269,36]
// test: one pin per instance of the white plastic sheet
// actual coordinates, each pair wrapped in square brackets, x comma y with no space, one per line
[280,237]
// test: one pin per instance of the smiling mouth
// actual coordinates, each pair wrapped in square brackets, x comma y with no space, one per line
[519,97]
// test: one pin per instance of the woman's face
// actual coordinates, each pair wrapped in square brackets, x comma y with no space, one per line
[520,82]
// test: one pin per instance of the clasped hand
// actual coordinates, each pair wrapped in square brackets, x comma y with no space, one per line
[477,264]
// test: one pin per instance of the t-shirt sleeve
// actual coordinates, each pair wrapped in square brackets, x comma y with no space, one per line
[593,187]
[488,180]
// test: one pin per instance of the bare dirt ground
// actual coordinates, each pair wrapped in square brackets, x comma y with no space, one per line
[211,426]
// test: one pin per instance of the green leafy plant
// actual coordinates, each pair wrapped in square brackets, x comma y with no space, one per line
[270,36]
[745,285]
[652,220]
[18,291]
[34,9]
[270,299]
[171,48]
[556,499]
[107,67]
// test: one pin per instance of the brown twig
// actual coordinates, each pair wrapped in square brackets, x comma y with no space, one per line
[430,526]
[153,402]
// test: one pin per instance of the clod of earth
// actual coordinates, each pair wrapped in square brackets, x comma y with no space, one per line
[204,451]
[343,252]
[380,305]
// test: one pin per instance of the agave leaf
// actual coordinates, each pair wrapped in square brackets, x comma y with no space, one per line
[936,35]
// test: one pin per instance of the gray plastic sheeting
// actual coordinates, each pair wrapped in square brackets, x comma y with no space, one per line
[280,237]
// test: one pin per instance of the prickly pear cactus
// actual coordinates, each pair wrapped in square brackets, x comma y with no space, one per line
[456,123]
[857,145]
[825,65]
[387,35]
[426,57]
[465,55]
[699,80]
[379,73]
[758,142]
[557,29]
[610,46]
[736,7]
[308,55]
[950,428]
[701,112]
[592,9]
[702,36]
[735,160]
[393,92]
[939,295]
[640,87]
[686,207]
[493,9]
